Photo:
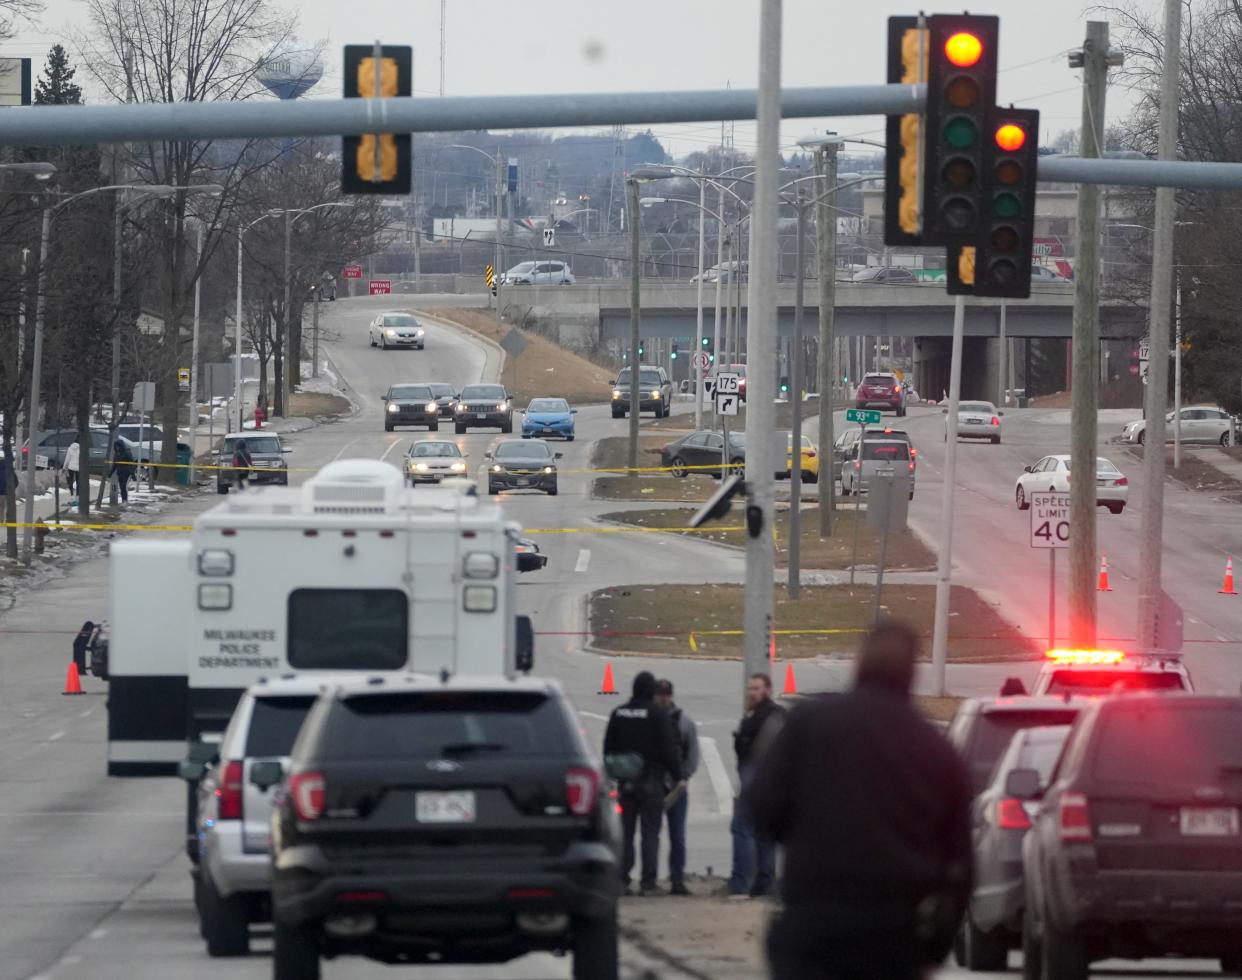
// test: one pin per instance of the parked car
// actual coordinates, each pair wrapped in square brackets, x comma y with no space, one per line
[522,464]
[1204,424]
[871,457]
[882,390]
[1041,273]
[549,417]
[267,453]
[433,460]
[1092,673]
[53,443]
[887,275]
[808,459]
[407,404]
[233,816]
[992,925]
[453,820]
[396,330]
[976,420]
[702,452]
[722,272]
[486,406]
[1136,850]
[539,274]
[1052,474]
[655,392]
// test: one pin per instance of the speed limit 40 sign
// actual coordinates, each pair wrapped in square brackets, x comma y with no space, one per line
[1050,520]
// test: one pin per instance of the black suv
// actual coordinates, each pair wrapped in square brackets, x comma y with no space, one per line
[1136,850]
[444,822]
[655,392]
[488,406]
[411,405]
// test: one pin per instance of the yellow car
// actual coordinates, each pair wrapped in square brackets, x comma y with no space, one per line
[810,459]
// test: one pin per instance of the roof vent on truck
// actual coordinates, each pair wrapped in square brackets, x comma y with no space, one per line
[354,486]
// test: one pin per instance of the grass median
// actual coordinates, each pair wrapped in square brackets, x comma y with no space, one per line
[905,551]
[612,453]
[706,621]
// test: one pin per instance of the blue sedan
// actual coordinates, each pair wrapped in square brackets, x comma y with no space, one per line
[548,417]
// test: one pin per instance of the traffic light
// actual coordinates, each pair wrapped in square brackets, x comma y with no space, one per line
[903,161]
[1003,266]
[673,353]
[377,163]
[961,90]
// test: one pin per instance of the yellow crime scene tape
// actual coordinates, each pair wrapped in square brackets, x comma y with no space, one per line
[182,528]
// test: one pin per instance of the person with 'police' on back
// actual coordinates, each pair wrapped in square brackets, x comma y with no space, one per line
[641,753]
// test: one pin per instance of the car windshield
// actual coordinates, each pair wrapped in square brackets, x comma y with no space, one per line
[548,405]
[254,444]
[994,731]
[1077,680]
[522,450]
[417,392]
[449,724]
[647,376]
[443,391]
[399,320]
[978,408]
[1183,745]
[484,392]
[274,725]
[806,442]
[886,451]
[1042,750]
[1104,466]
[435,449]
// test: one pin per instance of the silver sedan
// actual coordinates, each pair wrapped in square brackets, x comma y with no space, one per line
[433,460]
[977,420]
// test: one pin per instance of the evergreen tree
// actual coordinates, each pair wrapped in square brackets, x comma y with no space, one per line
[56,86]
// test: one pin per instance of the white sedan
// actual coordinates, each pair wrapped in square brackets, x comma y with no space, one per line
[433,460]
[396,330]
[977,420]
[1052,475]
[1205,424]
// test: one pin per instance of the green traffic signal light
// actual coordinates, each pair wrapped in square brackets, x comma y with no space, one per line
[961,132]
[707,341]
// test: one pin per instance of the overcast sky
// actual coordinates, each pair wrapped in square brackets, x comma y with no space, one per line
[537,46]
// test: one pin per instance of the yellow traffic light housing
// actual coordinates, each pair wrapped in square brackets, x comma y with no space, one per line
[377,163]
[903,184]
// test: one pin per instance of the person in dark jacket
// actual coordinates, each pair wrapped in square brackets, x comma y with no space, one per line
[123,466]
[872,806]
[754,857]
[642,732]
[243,464]
[679,808]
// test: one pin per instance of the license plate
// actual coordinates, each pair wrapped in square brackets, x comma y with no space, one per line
[480,415]
[1209,821]
[974,421]
[523,483]
[457,807]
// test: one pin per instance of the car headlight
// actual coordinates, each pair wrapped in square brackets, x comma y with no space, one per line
[433,407]
[420,333]
[394,407]
[502,407]
[458,467]
[549,469]
[390,333]
[459,407]
[655,394]
[421,467]
[616,393]
[497,468]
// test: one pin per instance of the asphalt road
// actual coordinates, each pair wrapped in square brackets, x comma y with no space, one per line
[96,882]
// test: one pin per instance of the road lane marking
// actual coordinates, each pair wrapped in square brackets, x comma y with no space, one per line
[343,450]
[56,736]
[584,561]
[721,784]
[592,714]
[395,443]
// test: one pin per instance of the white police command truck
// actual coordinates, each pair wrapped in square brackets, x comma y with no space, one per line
[351,571]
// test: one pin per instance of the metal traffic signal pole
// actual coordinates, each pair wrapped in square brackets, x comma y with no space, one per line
[635,323]
[795,404]
[1157,394]
[826,248]
[1094,61]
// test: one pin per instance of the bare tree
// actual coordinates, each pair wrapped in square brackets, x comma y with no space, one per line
[13,12]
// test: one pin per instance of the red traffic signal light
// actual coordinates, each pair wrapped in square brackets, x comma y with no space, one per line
[963,49]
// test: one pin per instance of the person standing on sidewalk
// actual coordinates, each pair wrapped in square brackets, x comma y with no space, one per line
[872,806]
[123,467]
[754,857]
[688,746]
[640,752]
[72,456]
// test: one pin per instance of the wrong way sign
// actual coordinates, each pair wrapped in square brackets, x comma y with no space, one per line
[1050,520]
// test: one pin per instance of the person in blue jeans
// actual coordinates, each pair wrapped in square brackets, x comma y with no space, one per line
[688,745]
[754,858]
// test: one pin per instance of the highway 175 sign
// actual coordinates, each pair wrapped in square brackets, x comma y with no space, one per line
[1050,520]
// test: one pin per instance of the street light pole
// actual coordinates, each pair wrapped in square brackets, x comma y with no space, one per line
[286,382]
[237,330]
[198,290]
[36,395]
[635,324]
[717,323]
[698,341]
[496,261]
[795,403]
[826,246]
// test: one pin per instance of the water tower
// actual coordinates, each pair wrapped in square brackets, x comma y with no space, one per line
[291,71]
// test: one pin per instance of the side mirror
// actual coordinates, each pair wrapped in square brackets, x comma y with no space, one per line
[573,411]
[267,773]
[524,655]
[383,398]
[944,411]
[1022,784]
[613,382]
[487,455]
[999,412]
[198,757]
[557,455]
[1026,469]
[285,449]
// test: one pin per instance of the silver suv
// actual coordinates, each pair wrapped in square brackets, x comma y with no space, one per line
[233,877]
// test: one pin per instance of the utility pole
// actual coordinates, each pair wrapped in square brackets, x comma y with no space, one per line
[635,322]
[1157,394]
[826,246]
[36,395]
[1002,358]
[286,380]
[717,323]
[198,291]
[496,266]
[795,404]
[698,336]
[1094,60]
[318,288]
[761,347]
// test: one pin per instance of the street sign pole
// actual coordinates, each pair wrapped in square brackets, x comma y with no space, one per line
[1052,599]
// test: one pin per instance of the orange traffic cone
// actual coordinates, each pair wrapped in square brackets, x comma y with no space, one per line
[1227,586]
[1103,583]
[772,647]
[73,685]
[609,687]
[791,685]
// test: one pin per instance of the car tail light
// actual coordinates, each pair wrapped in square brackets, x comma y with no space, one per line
[355,897]
[307,790]
[913,452]
[896,389]
[911,466]
[1074,817]
[1011,815]
[229,792]
[1121,481]
[1067,477]
[995,420]
[858,464]
[581,787]
[810,454]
